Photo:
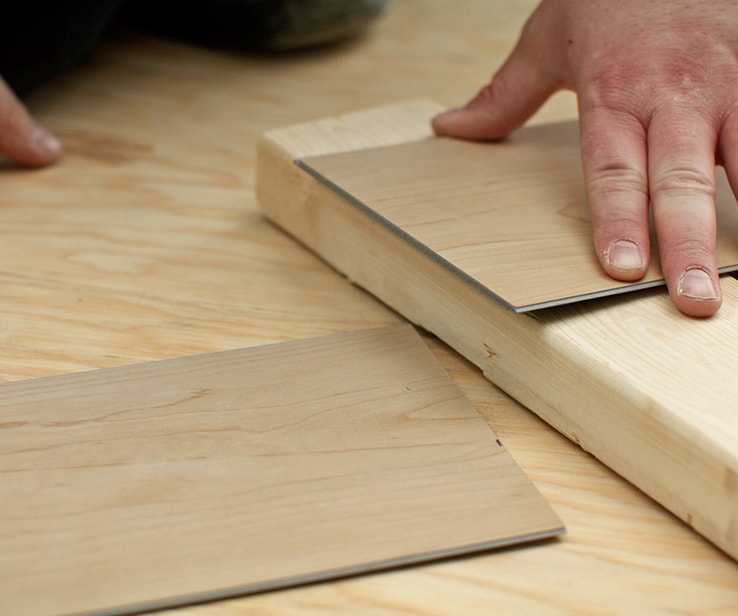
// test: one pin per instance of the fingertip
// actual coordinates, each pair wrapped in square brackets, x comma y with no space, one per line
[473,122]
[22,139]
[443,123]
[625,260]
[516,91]
[37,148]
[697,308]
[46,147]
[697,292]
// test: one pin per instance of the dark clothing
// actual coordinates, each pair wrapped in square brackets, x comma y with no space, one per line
[41,38]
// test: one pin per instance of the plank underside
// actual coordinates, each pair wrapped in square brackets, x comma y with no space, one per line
[182,480]
[649,392]
[511,217]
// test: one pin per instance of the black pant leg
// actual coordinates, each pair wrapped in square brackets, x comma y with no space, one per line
[256,25]
[41,38]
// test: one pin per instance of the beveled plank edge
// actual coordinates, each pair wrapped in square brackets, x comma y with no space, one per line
[235,592]
[505,345]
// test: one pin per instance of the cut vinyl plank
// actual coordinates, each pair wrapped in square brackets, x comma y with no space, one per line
[512,217]
[651,393]
[166,483]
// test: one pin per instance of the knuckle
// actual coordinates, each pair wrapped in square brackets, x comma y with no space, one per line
[618,198]
[693,250]
[615,179]
[618,223]
[683,182]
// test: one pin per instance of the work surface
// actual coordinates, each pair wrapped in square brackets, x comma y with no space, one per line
[146,243]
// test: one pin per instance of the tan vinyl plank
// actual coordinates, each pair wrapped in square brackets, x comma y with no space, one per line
[208,476]
[512,217]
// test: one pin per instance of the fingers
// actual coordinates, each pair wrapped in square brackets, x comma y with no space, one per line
[518,89]
[615,168]
[646,133]
[674,164]
[21,138]
[727,150]
[682,185]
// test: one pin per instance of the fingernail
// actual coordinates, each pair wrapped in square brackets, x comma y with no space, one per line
[45,141]
[625,256]
[446,115]
[697,284]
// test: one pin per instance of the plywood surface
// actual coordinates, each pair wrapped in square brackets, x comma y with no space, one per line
[146,243]
[510,216]
[240,471]
[648,391]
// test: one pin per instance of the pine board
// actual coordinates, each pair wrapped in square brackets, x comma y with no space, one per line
[649,392]
[511,217]
[170,482]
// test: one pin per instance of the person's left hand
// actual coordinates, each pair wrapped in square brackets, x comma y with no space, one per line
[22,139]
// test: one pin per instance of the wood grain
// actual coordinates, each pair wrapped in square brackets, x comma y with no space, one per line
[512,217]
[229,473]
[649,392]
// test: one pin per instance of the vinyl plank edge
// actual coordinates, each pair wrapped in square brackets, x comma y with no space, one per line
[223,594]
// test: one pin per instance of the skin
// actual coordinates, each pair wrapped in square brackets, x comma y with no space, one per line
[657,90]
[22,139]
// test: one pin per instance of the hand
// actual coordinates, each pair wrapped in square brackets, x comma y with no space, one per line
[21,138]
[657,88]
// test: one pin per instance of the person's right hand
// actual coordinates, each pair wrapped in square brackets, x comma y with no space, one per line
[657,89]
[22,140]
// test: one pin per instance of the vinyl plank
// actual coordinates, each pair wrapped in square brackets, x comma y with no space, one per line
[511,217]
[229,473]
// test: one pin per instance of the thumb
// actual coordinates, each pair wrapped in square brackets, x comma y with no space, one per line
[21,138]
[517,90]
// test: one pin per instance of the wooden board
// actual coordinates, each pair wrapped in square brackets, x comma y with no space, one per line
[170,482]
[651,393]
[512,217]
